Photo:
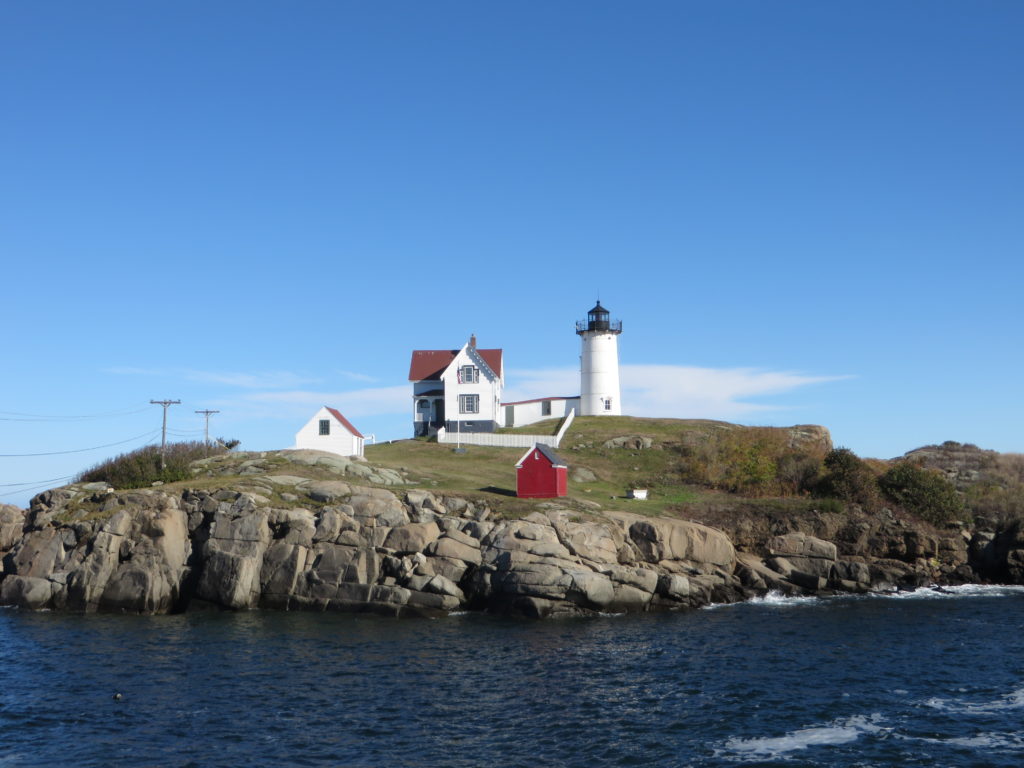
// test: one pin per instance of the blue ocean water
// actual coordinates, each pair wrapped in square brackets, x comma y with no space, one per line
[926,679]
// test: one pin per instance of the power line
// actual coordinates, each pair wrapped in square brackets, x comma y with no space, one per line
[35,482]
[45,485]
[78,450]
[18,416]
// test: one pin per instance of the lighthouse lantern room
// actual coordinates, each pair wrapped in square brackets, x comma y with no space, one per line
[599,364]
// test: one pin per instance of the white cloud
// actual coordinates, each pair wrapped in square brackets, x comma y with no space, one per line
[670,391]
[355,376]
[674,391]
[551,382]
[371,401]
[263,380]
[266,380]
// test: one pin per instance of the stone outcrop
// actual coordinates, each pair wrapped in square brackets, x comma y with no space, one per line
[350,548]
[281,540]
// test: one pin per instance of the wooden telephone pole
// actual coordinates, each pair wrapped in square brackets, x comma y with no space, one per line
[163,434]
[206,413]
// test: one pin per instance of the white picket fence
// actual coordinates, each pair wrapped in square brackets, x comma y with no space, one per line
[506,441]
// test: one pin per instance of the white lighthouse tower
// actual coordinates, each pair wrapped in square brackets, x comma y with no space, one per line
[599,364]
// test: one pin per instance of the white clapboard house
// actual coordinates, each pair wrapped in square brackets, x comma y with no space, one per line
[329,431]
[458,389]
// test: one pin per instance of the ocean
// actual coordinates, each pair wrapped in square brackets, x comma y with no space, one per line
[921,679]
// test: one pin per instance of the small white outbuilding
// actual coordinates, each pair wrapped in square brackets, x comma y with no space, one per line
[329,431]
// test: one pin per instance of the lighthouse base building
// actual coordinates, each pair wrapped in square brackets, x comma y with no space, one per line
[600,393]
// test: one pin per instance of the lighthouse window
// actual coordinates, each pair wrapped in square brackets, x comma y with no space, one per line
[469,403]
[424,405]
[608,404]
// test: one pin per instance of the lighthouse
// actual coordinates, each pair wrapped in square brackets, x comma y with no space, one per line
[599,364]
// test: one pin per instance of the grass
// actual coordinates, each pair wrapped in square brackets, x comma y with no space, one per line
[486,475]
[546,427]
[489,474]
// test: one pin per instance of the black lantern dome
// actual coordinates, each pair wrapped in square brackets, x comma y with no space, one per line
[598,321]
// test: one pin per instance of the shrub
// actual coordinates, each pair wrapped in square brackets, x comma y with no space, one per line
[922,492]
[997,504]
[141,467]
[833,506]
[751,461]
[849,478]
[798,472]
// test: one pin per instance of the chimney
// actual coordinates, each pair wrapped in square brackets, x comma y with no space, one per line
[472,340]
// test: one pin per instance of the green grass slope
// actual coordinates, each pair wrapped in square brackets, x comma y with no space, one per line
[666,468]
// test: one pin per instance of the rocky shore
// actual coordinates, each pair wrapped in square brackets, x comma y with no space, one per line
[283,540]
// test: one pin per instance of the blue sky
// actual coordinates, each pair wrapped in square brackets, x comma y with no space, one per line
[803,212]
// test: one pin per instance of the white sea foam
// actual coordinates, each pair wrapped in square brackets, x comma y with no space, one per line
[994,741]
[997,742]
[772,598]
[1012,700]
[936,592]
[833,734]
[777,598]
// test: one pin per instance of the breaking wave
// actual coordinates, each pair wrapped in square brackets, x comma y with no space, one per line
[933,592]
[843,731]
[1012,700]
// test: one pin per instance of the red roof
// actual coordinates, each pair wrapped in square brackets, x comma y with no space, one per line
[431,363]
[345,422]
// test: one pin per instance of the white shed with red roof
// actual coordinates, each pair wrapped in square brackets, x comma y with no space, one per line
[329,431]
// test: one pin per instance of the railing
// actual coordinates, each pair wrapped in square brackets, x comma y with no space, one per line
[601,326]
[506,441]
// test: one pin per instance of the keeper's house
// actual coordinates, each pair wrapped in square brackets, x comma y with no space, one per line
[329,431]
[541,474]
[458,389]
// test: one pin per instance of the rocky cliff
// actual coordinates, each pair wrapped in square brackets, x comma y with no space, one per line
[303,530]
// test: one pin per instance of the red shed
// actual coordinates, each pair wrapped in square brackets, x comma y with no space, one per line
[540,474]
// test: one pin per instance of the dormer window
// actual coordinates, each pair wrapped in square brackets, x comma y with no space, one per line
[469,374]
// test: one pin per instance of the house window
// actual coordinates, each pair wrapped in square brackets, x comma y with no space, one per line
[424,405]
[469,403]
[469,374]
[545,408]
[608,404]
[325,426]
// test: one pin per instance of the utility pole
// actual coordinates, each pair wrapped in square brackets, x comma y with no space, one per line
[206,438]
[163,434]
